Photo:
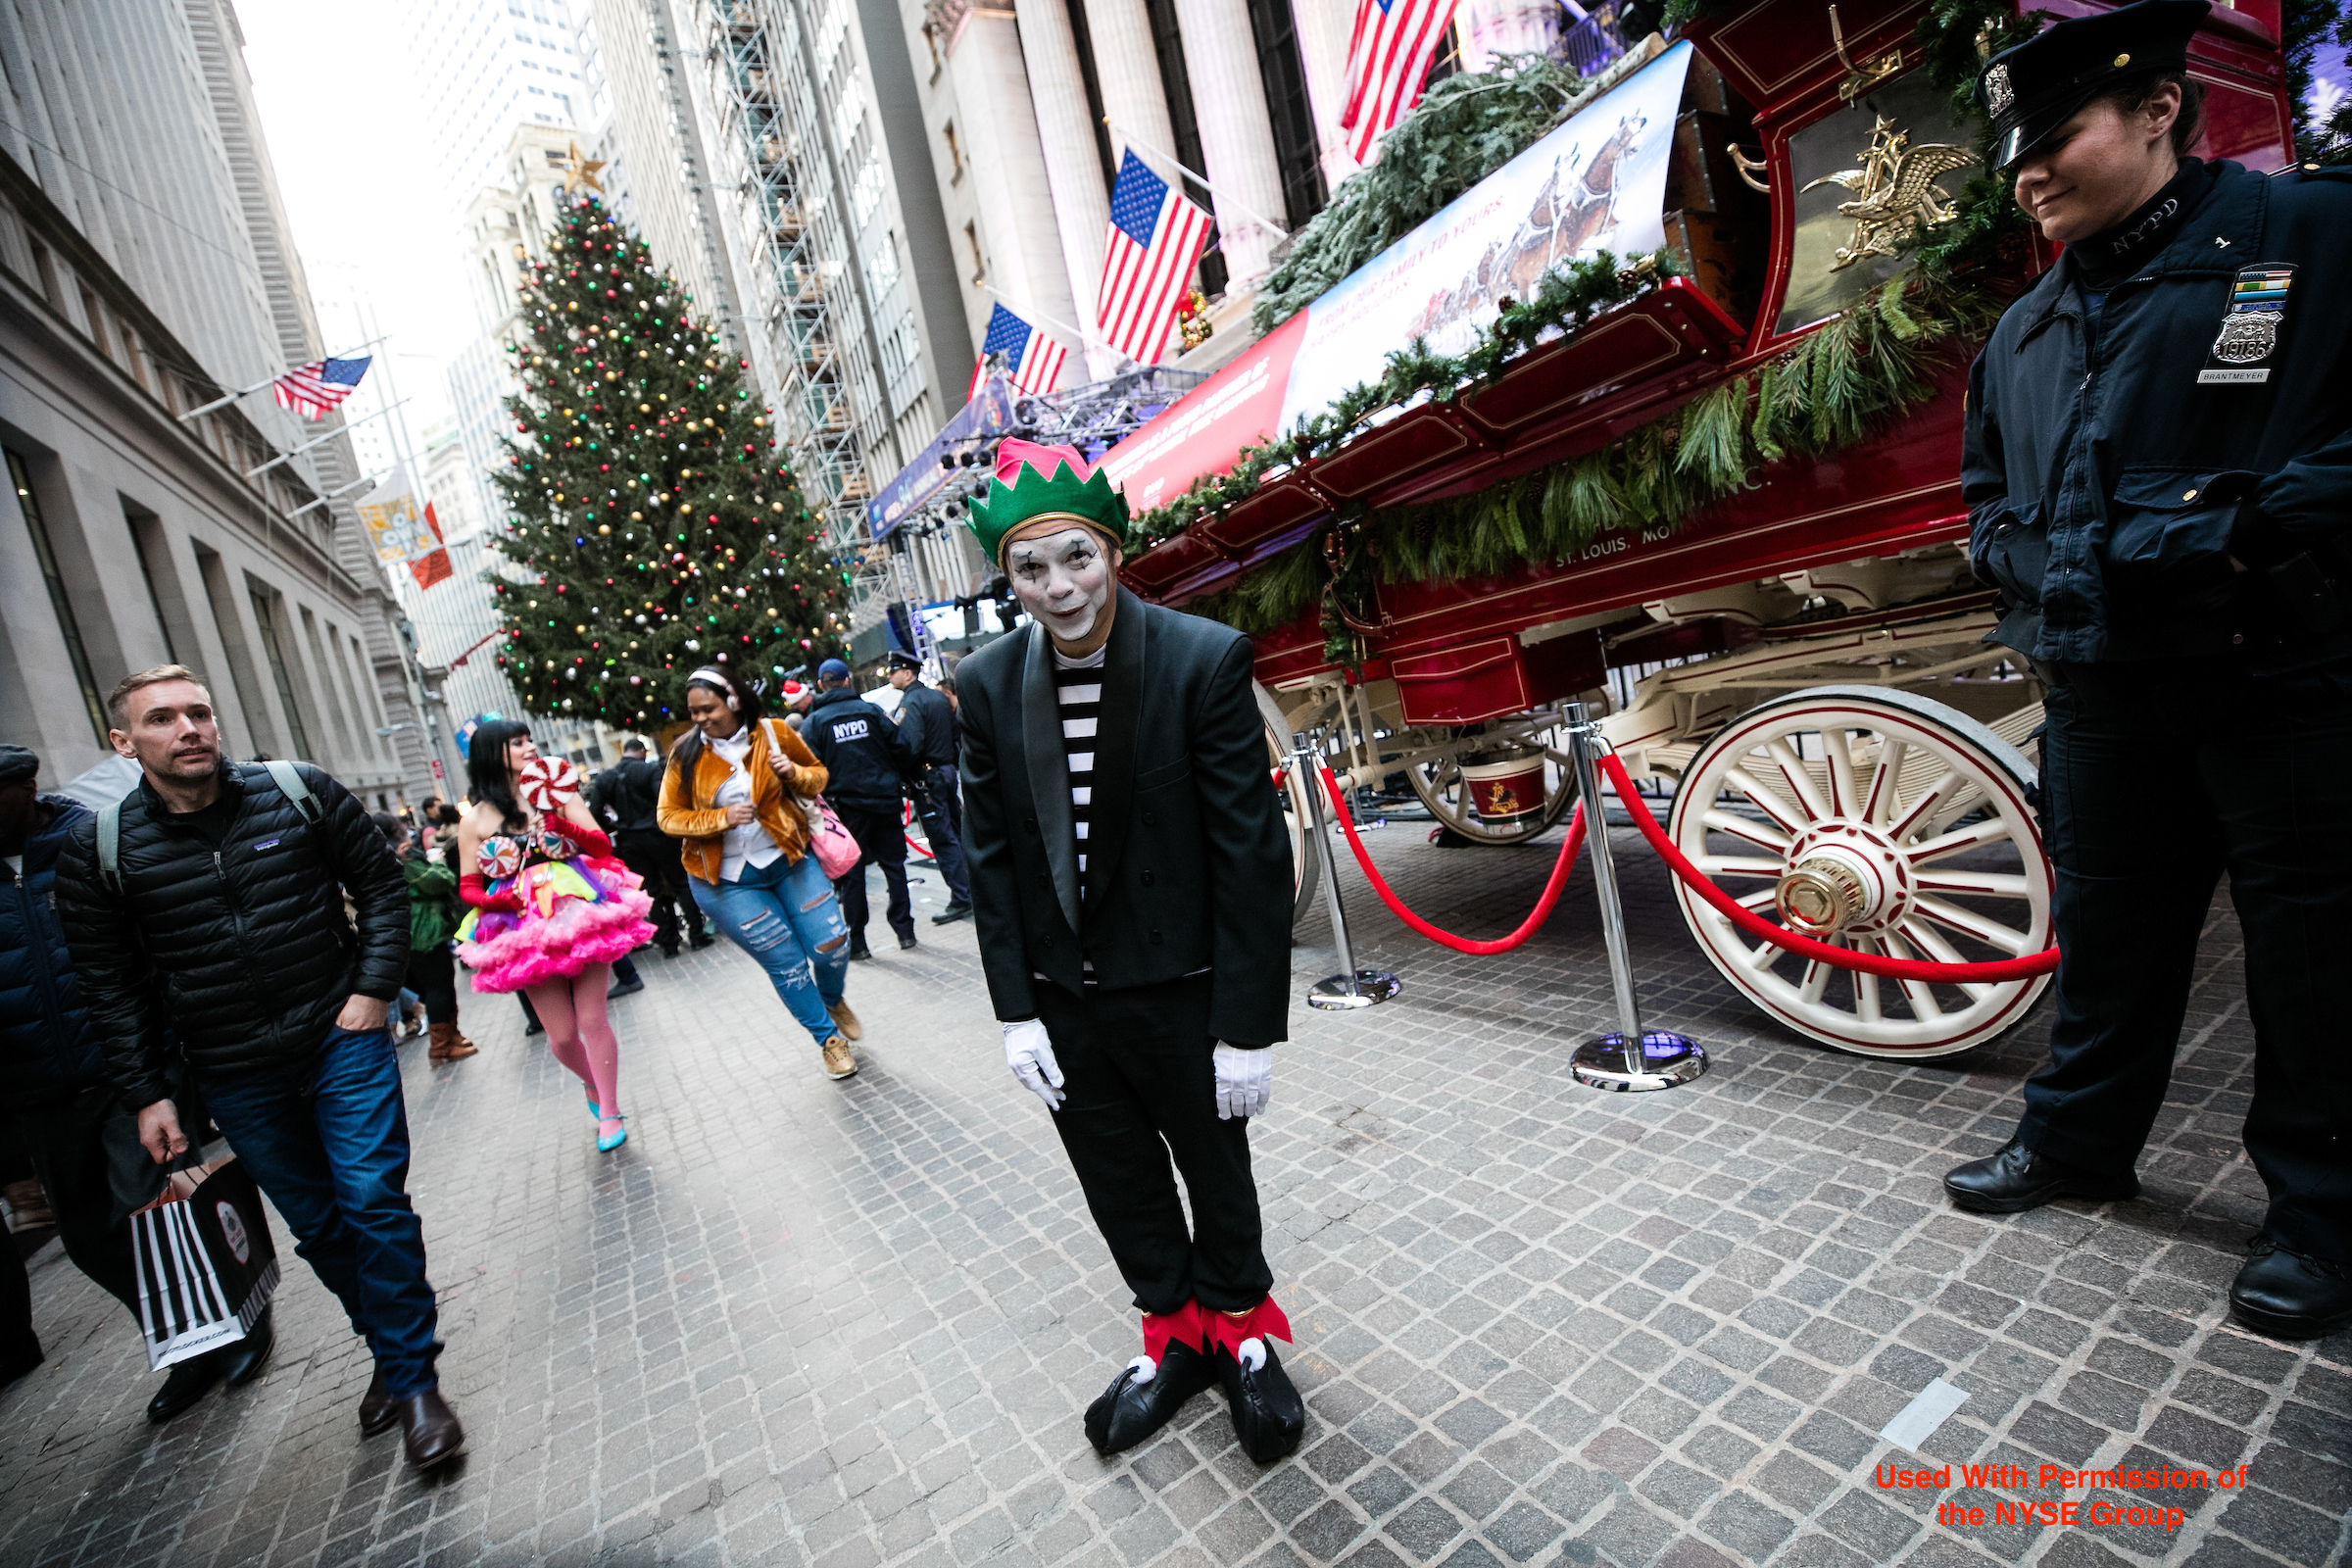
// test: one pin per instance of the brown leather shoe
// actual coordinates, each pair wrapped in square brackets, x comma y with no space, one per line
[446,1046]
[429,1430]
[839,1063]
[376,1414]
[845,1020]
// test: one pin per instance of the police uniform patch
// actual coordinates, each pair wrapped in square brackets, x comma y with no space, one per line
[2250,326]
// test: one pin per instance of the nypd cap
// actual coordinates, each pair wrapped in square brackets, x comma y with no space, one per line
[2032,89]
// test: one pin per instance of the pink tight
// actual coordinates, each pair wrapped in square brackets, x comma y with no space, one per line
[579,1034]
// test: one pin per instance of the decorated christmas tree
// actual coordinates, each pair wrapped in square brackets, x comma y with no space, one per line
[657,526]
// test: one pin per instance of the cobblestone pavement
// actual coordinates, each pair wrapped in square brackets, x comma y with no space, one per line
[845,1324]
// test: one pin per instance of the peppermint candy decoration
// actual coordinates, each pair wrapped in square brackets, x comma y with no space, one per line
[544,781]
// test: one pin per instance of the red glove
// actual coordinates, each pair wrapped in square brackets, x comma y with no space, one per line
[592,840]
[475,891]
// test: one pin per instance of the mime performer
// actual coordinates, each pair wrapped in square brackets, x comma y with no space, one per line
[1131,881]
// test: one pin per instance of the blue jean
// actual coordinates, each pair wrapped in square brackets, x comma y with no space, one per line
[329,1144]
[785,916]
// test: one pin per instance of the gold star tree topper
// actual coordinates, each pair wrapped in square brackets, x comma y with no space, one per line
[580,171]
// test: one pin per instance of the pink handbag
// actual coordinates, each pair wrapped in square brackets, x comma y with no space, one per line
[835,847]
[837,850]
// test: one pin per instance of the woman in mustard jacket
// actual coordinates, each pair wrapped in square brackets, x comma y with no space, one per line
[732,793]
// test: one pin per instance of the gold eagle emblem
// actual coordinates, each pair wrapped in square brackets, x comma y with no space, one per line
[1894,189]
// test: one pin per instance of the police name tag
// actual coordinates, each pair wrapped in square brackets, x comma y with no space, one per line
[2250,326]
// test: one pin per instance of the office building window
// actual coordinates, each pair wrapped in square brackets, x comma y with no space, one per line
[66,626]
[146,534]
[1284,76]
[1176,85]
[265,617]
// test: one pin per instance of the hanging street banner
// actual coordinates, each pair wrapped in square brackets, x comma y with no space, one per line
[1597,182]
[403,533]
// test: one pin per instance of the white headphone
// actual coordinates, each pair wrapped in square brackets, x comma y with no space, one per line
[707,673]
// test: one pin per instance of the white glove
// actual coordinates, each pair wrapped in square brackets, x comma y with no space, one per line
[1029,1053]
[1245,1080]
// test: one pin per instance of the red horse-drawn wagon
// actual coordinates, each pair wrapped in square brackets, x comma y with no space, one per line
[1804,651]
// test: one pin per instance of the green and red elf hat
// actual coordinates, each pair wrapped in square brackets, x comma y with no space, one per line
[1042,489]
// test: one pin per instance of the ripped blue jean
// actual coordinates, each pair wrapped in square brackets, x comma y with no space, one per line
[785,916]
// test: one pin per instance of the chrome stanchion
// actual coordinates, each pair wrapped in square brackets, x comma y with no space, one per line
[1632,1058]
[1351,987]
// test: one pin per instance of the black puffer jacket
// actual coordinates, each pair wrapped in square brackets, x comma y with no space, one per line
[247,955]
[48,1045]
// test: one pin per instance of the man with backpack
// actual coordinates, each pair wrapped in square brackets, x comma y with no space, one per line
[211,897]
[624,798]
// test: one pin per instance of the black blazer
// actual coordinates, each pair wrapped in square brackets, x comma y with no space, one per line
[1188,864]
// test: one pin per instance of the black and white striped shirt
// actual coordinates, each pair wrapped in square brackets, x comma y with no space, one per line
[1078,690]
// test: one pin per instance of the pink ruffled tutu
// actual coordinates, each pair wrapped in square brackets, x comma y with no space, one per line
[584,910]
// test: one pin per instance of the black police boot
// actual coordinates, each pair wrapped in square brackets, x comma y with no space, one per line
[2019,1178]
[242,1362]
[1268,1416]
[954,912]
[1131,1409]
[186,1383]
[2290,1295]
[858,951]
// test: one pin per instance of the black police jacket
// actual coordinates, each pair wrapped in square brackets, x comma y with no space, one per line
[48,1045]
[245,953]
[927,724]
[625,795]
[2108,487]
[1188,861]
[868,763]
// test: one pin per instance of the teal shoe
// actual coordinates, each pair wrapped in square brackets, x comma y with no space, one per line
[595,1112]
[606,1143]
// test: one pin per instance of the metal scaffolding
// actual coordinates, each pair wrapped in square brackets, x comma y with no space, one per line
[814,345]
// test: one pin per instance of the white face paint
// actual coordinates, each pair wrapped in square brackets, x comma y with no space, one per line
[1062,580]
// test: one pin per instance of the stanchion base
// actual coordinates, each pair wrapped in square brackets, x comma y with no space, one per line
[1372,987]
[1664,1060]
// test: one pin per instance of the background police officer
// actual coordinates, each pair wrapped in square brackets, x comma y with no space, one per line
[927,726]
[871,771]
[2158,469]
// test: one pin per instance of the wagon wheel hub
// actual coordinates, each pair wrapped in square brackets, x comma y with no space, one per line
[1843,876]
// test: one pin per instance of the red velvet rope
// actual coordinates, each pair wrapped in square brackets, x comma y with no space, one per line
[1380,884]
[907,821]
[1700,883]
[1755,925]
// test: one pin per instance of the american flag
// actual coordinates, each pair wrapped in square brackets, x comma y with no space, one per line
[1388,59]
[1033,358]
[316,389]
[1155,239]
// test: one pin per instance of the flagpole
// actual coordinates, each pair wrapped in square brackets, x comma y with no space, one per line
[1266,224]
[345,428]
[246,391]
[321,501]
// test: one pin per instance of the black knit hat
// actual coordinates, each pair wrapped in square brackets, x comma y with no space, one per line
[16,765]
[2032,89]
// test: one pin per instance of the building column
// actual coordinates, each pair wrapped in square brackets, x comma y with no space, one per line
[1236,136]
[1492,29]
[1016,195]
[1074,167]
[1323,30]
[1127,65]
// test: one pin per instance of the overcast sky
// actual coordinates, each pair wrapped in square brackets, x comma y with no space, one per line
[344,133]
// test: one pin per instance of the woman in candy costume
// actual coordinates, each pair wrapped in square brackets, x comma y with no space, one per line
[552,906]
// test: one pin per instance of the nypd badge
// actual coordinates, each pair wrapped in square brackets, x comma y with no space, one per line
[2250,326]
[1998,93]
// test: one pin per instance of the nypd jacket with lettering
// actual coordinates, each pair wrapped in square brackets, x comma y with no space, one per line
[2106,470]
[862,749]
[244,952]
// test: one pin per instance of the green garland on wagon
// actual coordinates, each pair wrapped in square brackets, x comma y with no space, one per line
[1841,383]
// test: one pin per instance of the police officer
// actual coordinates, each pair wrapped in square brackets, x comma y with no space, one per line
[2158,469]
[870,769]
[927,724]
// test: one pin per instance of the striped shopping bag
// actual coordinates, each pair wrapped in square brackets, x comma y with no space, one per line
[206,1262]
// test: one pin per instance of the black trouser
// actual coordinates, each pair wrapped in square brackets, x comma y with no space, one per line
[2155,779]
[882,835]
[1140,1087]
[654,856]
[433,976]
[87,1151]
[942,824]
